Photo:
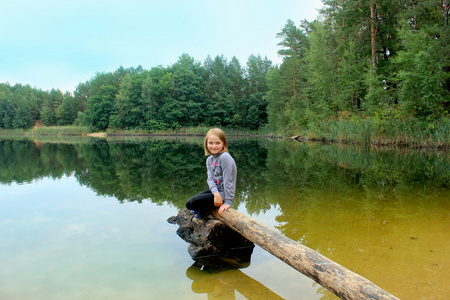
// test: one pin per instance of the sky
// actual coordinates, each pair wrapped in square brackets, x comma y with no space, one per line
[56,44]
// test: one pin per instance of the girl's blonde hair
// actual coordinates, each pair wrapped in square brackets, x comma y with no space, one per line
[220,134]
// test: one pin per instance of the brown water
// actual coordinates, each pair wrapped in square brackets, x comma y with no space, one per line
[86,219]
[405,250]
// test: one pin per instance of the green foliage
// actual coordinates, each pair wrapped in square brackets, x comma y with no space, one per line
[100,108]
[188,96]
[351,74]
[66,112]
[49,107]
[21,106]
[218,93]
[328,75]
[130,112]
[322,63]
[277,96]
[286,96]
[377,97]
[422,72]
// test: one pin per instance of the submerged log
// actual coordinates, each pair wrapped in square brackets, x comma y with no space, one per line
[334,277]
[221,285]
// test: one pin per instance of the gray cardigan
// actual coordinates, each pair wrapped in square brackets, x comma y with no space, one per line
[222,173]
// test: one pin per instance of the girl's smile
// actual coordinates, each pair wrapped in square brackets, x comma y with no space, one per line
[215,144]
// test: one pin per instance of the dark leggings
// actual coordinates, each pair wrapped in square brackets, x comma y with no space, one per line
[202,202]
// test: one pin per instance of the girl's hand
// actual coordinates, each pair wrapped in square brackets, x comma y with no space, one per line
[218,201]
[222,208]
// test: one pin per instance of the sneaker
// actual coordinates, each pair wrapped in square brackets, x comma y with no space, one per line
[200,215]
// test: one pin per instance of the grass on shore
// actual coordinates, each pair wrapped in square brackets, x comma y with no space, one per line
[59,131]
[84,131]
[405,133]
[187,131]
[47,131]
[409,133]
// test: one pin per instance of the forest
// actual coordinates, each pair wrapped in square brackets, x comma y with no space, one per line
[368,71]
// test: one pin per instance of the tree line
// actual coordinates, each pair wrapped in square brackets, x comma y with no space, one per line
[187,93]
[361,60]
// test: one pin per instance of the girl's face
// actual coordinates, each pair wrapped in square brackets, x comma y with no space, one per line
[214,144]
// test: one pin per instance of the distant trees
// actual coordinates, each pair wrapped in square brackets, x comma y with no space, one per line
[287,82]
[186,93]
[19,106]
[100,108]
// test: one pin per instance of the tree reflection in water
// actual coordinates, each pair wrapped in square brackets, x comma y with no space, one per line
[375,211]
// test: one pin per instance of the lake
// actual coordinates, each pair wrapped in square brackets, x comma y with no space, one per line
[85,218]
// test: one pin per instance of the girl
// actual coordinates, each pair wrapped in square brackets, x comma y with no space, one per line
[221,170]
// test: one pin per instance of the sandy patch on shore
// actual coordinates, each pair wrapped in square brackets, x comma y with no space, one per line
[96,134]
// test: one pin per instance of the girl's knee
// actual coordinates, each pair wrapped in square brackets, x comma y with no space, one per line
[189,204]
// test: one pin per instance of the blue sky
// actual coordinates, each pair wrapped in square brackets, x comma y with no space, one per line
[60,43]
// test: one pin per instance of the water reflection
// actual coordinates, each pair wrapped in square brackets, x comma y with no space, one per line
[223,284]
[270,174]
[382,213]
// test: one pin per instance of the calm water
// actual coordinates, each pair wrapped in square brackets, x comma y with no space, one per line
[87,219]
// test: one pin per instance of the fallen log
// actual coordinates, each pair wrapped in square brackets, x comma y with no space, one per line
[332,276]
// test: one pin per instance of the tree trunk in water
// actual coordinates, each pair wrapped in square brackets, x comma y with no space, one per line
[334,277]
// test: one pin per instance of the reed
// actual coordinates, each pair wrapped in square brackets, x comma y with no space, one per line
[12,132]
[393,132]
[59,131]
[185,131]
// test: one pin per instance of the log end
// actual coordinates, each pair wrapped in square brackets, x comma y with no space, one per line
[211,242]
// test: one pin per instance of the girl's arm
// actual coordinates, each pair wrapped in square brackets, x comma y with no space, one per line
[210,180]
[229,179]
[212,184]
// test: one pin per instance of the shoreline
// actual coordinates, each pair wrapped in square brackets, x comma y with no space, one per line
[74,131]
